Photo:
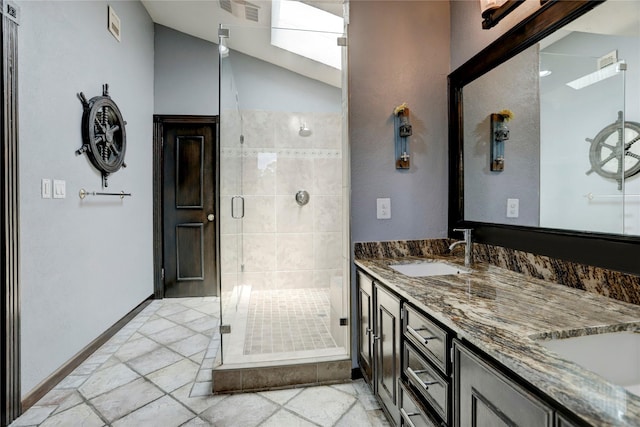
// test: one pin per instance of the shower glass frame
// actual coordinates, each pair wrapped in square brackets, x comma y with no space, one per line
[238,220]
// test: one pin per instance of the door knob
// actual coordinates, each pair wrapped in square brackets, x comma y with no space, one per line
[211,217]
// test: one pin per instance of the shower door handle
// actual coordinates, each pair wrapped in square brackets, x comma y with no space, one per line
[237,204]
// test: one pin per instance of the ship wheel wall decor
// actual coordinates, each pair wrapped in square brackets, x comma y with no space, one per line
[614,150]
[103,133]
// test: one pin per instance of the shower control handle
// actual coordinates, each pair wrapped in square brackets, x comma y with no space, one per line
[302,197]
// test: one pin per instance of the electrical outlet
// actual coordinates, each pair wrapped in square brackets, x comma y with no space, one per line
[383,210]
[513,208]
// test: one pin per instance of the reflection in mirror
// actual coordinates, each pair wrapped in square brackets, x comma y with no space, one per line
[512,85]
[576,116]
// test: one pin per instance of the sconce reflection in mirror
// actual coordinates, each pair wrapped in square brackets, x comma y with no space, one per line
[499,134]
[494,10]
[403,131]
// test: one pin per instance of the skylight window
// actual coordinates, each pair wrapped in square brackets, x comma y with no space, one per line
[307,31]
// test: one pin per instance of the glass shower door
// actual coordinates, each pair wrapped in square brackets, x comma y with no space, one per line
[284,256]
[231,198]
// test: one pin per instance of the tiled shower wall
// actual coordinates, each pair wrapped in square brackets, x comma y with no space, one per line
[284,245]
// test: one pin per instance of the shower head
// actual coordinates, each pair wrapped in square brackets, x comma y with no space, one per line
[304,130]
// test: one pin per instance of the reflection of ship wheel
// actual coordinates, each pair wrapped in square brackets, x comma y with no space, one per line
[614,149]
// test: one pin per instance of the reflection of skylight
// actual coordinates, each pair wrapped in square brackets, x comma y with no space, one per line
[306,31]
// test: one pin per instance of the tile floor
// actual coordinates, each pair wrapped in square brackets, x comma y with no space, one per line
[285,320]
[156,371]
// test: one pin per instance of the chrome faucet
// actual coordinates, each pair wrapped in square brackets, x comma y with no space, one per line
[468,245]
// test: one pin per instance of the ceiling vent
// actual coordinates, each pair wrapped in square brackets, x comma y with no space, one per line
[226,5]
[241,9]
[251,12]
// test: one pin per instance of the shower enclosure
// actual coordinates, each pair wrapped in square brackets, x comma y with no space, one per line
[283,211]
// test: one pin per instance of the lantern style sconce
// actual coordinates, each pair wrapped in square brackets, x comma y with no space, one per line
[494,10]
[403,131]
[499,134]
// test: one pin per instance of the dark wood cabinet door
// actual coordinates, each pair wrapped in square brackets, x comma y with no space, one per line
[484,397]
[365,324]
[188,208]
[387,351]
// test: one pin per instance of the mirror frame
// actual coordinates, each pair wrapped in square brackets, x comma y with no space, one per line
[611,251]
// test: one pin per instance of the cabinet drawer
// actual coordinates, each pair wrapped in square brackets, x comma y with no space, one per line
[411,413]
[427,381]
[427,336]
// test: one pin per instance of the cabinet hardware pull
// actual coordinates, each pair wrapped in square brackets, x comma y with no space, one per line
[420,338]
[368,331]
[414,374]
[376,337]
[405,416]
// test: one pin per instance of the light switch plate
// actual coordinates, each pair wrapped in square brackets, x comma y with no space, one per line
[383,208]
[513,208]
[59,189]
[45,188]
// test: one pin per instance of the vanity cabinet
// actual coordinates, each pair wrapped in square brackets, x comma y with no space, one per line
[379,342]
[484,397]
[424,376]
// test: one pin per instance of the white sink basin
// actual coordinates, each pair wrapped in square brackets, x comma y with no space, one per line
[427,268]
[614,356]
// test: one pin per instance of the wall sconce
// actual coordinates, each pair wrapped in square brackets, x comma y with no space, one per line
[499,134]
[403,131]
[494,10]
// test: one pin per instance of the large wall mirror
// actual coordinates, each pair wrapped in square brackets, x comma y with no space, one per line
[567,80]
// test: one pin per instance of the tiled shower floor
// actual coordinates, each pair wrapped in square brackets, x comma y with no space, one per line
[156,371]
[288,320]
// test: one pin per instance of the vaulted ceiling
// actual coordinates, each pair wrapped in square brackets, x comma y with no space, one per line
[202,18]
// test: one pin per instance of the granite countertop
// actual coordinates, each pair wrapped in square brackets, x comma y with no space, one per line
[503,313]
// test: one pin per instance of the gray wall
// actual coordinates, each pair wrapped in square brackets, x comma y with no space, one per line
[186,80]
[186,74]
[391,63]
[264,86]
[84,264]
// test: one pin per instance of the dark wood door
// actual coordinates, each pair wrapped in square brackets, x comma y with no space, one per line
[188,199]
